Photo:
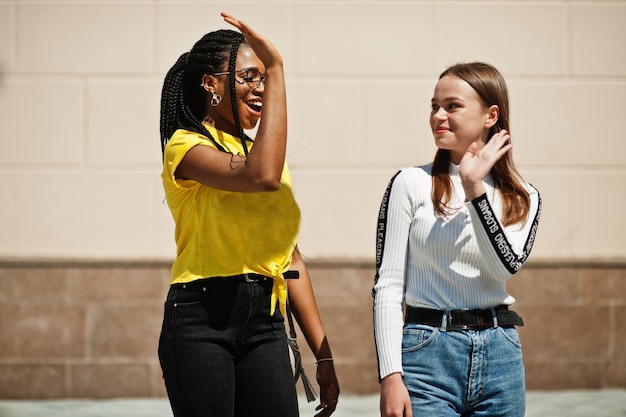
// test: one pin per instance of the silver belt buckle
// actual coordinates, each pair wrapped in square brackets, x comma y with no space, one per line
[251,279]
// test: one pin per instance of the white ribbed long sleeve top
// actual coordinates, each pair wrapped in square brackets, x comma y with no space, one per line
[461,261]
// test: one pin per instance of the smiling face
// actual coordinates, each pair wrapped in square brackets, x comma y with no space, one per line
[459,117]
[249,100]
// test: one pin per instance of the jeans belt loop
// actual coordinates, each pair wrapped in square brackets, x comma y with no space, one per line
[494,316]
[447,317]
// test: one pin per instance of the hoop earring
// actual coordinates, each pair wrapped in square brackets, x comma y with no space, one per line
[215,99]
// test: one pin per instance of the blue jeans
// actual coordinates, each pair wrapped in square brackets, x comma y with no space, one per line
[470,373]
[222,354]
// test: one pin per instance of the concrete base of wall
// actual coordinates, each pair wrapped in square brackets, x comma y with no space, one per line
[90,329]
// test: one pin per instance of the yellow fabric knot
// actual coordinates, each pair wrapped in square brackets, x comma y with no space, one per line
[279,290]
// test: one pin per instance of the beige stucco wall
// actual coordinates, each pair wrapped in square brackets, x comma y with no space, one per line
[79,112]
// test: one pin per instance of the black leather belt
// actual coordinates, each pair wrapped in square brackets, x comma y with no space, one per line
[201,284]
[464,319]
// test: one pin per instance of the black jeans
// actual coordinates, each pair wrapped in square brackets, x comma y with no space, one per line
[221,352]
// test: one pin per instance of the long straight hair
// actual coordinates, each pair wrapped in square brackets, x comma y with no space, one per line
[491,88]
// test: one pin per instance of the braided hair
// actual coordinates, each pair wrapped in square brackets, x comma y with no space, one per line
[183,98]
[232,62]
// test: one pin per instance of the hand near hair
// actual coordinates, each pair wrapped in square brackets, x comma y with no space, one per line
[264,49]
[478,161]
[265,162]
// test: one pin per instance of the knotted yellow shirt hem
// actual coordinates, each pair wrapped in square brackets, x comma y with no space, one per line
[279,292]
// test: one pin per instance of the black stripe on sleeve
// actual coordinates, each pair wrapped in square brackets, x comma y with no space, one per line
[381,227]
[498,239]
[533,230]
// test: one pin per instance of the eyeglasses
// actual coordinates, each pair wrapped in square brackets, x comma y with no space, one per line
[251,76]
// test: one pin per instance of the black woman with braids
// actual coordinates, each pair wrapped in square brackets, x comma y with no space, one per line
[223,347]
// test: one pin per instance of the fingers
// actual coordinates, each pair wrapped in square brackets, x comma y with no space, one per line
[497,146]
[327,404]
[231,20]
[500,137]
[328,407]
[264,49]
[245,29]
[478,161]
[472,149]
[329,393]
[501,142]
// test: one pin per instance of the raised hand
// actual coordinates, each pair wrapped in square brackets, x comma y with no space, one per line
[478,161]
[264,49]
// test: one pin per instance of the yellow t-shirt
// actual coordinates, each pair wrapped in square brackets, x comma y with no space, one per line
[224,233]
